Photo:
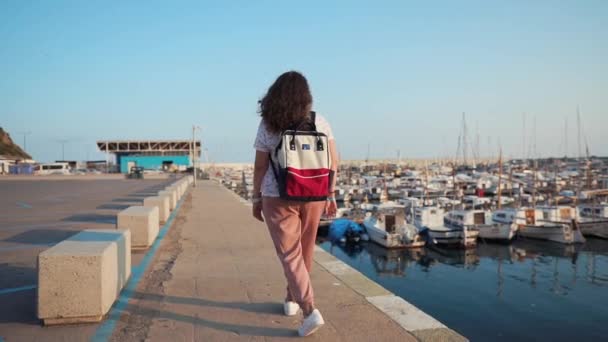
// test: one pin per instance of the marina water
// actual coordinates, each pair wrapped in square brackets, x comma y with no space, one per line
[526,290]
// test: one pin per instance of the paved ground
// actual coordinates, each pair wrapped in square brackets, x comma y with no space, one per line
[36,214]
[222,282]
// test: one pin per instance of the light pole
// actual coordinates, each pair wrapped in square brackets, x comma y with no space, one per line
[25,134]
[62,142]
[194,128]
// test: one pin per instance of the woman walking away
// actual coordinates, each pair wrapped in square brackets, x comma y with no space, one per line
[293,185]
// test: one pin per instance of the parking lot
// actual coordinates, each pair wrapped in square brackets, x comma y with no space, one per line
[38,213]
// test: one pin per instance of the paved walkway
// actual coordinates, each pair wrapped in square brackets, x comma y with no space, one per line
[226,284]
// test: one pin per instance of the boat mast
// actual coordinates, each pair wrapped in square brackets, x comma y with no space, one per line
[499,177]
[534,185]
[454,181]
[426,183]
[511,182]
[578,164]
[464,139]
[523,148]
[566,138]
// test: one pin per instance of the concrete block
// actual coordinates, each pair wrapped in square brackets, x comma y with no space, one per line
[175,189]
[172,195]
[184,186]
[163,205]
[143,224]
[80,278]
[180,190]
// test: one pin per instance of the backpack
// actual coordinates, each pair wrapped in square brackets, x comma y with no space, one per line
[301,163]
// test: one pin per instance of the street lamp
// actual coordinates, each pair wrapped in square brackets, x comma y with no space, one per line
[194,129]
[63,142]
[25,134]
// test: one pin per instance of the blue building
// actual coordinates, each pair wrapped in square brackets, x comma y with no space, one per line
[159,155]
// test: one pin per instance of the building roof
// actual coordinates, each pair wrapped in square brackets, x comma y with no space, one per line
[142,146]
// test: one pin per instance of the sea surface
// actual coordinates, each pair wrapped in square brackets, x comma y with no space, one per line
[525,291]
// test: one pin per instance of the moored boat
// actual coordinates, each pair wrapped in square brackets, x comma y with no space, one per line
[481,220]
[387,227]
[530,224]
[593,220]
[432,220]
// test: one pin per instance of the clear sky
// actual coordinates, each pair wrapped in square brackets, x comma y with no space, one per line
[392,74]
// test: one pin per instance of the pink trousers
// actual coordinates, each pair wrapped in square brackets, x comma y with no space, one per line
[293,229]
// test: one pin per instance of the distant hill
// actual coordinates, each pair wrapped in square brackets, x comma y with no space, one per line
[8,149]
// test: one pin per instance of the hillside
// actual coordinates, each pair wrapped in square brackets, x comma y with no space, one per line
[10,149]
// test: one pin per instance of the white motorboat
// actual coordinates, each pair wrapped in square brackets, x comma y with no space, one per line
[432,219]
[561,214]
[387,227]
[593,220]
[530,224]
[481,220]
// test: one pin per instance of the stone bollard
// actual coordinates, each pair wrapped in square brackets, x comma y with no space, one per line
[143,224]
[80,278]
[163,205]
[172,195]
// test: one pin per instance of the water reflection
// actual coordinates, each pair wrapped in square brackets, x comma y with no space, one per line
[538,261]
[513,288]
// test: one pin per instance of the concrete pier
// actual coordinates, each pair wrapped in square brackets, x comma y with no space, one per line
[212,275]
[227,284]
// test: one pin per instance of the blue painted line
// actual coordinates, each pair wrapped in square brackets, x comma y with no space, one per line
[104,332]
[24,205]
[17,289]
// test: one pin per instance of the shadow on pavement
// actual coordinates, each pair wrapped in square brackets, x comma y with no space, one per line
[272,308]
[240,329]
[96,218]
[19,307]
[12,276]
[41,236]
[111,206]
[127,200]
[143,195]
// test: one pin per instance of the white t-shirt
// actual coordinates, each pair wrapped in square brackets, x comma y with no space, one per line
[266,141]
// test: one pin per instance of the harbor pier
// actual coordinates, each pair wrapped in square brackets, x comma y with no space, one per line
[212,275]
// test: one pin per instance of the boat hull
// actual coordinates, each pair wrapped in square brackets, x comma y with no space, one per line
[594,228]
[498,232]
[562,233]
[453,237]
[388,240]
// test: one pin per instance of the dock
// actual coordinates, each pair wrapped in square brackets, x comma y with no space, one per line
[226,283]
[214,276]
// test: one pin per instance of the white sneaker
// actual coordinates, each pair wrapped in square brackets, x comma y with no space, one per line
[291,308]
[311,323]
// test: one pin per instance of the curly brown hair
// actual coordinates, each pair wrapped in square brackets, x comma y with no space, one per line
[287,102]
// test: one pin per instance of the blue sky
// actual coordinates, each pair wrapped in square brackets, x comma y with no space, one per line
[392,74]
